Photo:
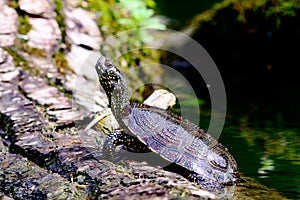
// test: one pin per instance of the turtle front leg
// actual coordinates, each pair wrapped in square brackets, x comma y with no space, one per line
[117,141]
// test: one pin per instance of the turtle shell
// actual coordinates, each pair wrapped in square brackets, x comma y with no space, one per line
[180,141]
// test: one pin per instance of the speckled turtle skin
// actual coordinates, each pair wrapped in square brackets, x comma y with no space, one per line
[176,139]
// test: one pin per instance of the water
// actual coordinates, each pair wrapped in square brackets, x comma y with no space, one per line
[268,154]
[263,131]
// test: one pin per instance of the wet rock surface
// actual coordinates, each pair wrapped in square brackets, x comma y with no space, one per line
[45,153]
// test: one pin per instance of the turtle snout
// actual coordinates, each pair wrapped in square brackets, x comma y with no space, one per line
[103,65]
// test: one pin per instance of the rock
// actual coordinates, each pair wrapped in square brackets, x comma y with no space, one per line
[20,111]
[60,108]
[45,34]
[42,8]
[10,76]
[3,197]
[86,93]
[82,29]
[84,83]
[3,148]
[37,143]
[8,20]
[6,62]
[161,99]
[149,182]
[3,56]
[8,25]
[7,40]
[44,65]
[22,179]
[78,57]
[74,3]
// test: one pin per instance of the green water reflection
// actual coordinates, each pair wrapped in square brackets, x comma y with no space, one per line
[267,151]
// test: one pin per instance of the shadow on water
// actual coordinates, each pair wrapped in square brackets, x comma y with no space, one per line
[260,70]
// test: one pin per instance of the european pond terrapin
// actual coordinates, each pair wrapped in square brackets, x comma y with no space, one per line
[175,139]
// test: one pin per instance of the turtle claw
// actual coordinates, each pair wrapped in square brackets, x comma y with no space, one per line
[117,142]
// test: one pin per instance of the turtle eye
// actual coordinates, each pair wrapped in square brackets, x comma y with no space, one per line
[112,70]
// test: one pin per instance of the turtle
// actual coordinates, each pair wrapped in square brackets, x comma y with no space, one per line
[146,128]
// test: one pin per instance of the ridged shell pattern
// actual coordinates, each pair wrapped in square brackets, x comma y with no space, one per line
[180,141]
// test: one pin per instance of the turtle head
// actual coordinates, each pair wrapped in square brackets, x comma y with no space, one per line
[113,82]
